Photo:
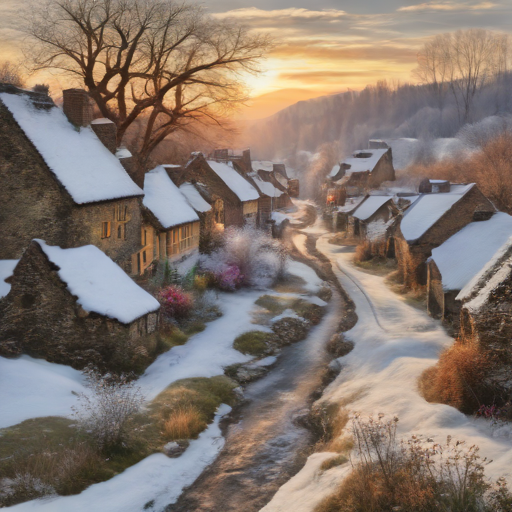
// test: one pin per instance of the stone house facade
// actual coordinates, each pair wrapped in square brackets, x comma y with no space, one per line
[92,201]
[52,315]
[374,210]
[431,220]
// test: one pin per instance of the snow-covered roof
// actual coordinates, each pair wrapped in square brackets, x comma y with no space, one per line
[239,185]
[428,209]
[122,152]
[265,186]
[335,170]
[79,160]
[6,270]
[99,284]
[438,182]
[263,165]
[351,204]
[364,164]
[194,198]
[165,200]
[370,206]
[462,256]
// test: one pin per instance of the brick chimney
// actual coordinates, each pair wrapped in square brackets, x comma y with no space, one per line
[106,130]
[77,107]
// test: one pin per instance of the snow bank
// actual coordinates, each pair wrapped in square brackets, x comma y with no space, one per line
[99,284]
[428,209]
[313,282]
[239,185]
[309,487]
[370,206]
[194,198]
[84,166]
[6,270]
[30,388]
[164,199]
[364,164]
[462,256]
[158,479]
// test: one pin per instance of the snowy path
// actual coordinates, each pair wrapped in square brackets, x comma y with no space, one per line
[394,343]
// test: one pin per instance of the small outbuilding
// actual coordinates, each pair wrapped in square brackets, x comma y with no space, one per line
[372,213]
[77,307]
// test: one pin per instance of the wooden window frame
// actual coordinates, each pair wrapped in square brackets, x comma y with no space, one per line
[106,229]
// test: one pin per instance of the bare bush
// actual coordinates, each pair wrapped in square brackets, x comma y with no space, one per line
[413,475]
[106,412]
[10,73]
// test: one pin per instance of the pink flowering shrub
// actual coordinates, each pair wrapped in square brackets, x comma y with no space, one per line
[230,278]
[175,301]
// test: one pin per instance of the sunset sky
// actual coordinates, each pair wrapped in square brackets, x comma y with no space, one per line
[333,46]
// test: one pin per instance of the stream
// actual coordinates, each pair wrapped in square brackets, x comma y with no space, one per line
[264,445]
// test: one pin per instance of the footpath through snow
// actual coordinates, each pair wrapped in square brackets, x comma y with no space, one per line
[394,343]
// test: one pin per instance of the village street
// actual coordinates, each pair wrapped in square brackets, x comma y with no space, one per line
[394,343]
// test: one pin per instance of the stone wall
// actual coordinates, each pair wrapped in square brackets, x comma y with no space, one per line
[41,318]
[435,294]
[491,325]
[383,171]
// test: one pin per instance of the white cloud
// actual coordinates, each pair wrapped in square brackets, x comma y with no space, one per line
[448,6]
[292,12]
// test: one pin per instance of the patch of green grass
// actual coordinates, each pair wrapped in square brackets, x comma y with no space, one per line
[253,343]
[338,460]
[200,395]
[290,284]
[275,305]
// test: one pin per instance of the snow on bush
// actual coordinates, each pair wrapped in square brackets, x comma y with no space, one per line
[175,301]
[247,257]
[105,413]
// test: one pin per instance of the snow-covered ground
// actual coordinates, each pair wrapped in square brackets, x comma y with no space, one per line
[33,387]
[394,343]
[157,479]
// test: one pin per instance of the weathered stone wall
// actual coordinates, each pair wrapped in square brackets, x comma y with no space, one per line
[491,325]
[40,317]
[125,235]
[383,171]
[33,203]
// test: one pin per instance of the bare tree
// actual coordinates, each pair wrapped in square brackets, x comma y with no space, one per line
[162,62]
[435,67]
[10,74]
[463,62]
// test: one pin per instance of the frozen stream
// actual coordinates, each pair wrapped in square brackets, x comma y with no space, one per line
[265,447]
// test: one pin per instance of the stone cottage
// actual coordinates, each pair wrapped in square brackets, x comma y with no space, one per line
[456,262]
[486,315]
[177,224]
[366,169]
[430,221]
[342,214]
[282,201]
[76,306]
[371,218]
[60,179]
[226,209]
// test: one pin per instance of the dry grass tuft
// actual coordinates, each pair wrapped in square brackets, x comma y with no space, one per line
[457,379]
[184,423]
[363,252]
[338,460]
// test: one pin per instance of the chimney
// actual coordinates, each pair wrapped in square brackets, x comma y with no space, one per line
[106,130]
[130,166]
[246,159]
[77,107]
